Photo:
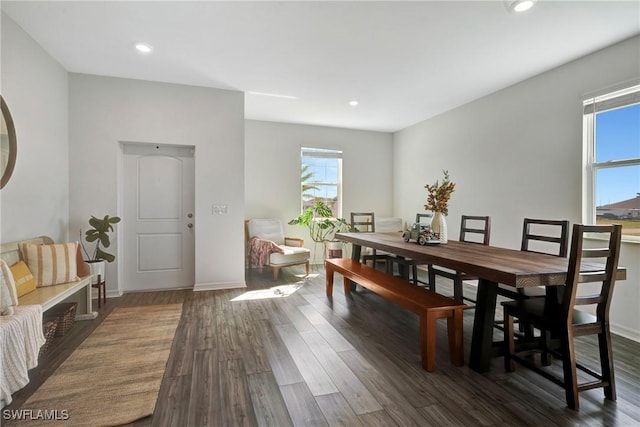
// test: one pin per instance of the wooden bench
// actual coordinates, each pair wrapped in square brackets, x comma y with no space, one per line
[16,357]
[49,296]
[428,305]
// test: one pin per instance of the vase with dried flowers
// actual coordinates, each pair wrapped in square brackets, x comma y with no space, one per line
[438,195]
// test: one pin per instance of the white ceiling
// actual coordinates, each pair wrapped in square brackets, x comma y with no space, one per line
[403,61]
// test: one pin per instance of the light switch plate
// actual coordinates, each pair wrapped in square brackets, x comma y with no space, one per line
[220,209]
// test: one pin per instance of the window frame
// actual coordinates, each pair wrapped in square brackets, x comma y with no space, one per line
[326,153]
[610,100]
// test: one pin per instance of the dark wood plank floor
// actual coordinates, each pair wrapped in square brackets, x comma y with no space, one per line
[307,360]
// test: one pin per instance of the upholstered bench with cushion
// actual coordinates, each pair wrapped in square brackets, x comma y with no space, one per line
[36,275]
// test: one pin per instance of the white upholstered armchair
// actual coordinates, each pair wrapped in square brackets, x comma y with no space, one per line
[267,245]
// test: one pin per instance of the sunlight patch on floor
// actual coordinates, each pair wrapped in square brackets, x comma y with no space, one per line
[281,291]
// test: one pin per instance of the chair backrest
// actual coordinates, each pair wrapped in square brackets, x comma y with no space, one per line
[424,219]
[267,229]
[475,229]
[553,235]
[363,221]
[608,256]
[388,224]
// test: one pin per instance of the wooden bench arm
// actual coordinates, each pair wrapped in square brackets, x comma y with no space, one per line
[293,241]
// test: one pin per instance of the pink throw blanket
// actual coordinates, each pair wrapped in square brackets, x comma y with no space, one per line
[259,250]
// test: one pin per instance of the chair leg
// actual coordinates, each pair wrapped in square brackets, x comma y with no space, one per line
[569,368]
[509,345]
[606,363]
[545,357]
[527,330]
[414,271]
[457,289]
[432,278]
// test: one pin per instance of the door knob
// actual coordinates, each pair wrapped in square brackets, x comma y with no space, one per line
[189,215]
[190,225]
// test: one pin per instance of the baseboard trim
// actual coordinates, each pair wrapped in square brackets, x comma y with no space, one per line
[623,331]
[110,294]
[218,286]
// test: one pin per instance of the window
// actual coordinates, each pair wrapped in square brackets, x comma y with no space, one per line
[321,178]
[612,154]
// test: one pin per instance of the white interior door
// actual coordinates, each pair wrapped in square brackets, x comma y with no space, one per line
[158,220]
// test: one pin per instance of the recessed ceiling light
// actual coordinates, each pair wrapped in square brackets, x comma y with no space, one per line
[143,47]
[521,5]
[353,103]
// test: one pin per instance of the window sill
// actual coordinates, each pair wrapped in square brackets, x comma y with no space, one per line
[625,239]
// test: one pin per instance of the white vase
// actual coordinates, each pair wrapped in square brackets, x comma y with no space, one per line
[439,225]
[97,268]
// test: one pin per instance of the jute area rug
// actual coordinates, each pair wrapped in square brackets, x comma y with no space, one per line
[114,376]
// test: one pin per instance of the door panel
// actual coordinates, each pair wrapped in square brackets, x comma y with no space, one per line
[159,252]
[160,188]
[158,218]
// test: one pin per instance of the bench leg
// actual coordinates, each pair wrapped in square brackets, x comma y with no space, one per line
[328,280]
[455,327]
[348,285]
[428,341]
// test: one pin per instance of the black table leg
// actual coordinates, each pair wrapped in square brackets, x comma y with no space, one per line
[482,338]
[403,268]
[355,255]
[356,252]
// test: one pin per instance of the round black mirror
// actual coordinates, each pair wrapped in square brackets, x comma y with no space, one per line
[8,145]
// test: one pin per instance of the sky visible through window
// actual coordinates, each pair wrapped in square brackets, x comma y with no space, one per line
[617,138]
[324,171]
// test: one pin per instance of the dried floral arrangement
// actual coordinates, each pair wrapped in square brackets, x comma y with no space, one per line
[439,194]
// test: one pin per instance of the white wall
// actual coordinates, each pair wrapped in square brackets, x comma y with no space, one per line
[104,111]
[518,153]
[35,201]
[272,164]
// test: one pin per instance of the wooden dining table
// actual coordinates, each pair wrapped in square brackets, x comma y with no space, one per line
[493,265]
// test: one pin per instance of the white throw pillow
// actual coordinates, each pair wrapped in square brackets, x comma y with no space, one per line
[8,295]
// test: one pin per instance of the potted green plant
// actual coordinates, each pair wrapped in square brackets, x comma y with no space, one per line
[99,233]
[322,225]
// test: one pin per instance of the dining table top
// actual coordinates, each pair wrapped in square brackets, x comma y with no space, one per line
[511,267]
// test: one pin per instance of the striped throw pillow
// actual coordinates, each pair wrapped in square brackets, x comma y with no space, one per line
[51,264]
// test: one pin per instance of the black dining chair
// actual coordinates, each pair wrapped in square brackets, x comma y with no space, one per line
[473,229]
[562,320]
[366,222]
[407,264]
[424,219]
[540,236]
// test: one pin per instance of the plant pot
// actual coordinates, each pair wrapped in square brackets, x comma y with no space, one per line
[97,268]
[334,249]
